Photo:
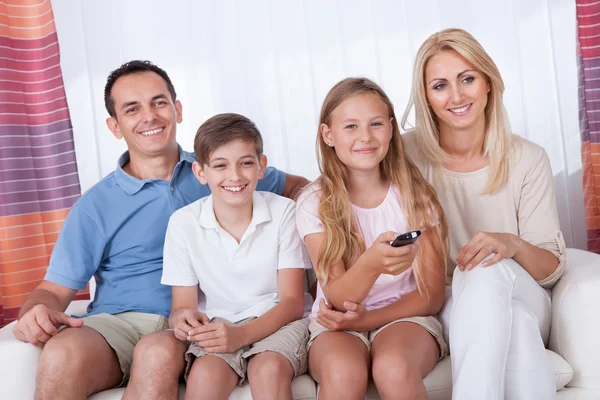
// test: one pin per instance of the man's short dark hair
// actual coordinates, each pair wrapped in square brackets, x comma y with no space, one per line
[132,67]
[221,129]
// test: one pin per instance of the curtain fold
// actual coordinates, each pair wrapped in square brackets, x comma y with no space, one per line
[38,170]
[588,59]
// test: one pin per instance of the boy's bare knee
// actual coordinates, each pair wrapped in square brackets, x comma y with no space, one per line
[159,353]
[269,366]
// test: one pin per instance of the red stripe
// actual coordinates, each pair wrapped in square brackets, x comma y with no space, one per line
[38,120]
[36,109]
[31,65]
[29,44]
[19,54]
[50,72]
[29,98]
[31,87]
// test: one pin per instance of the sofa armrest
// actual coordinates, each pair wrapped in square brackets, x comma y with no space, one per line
[18,360]
[576,318]
[18,365]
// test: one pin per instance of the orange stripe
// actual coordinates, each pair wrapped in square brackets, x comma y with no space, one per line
[23,254]
[23,276]
[15,22]
[8,246]
[16,266]
[35,33]
[30,230]
[25,219]
[17,301]
[41,8]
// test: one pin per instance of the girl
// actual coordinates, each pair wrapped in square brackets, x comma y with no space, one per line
[497,190]
[375,302]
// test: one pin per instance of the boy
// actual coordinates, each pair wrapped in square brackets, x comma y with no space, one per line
[239,299]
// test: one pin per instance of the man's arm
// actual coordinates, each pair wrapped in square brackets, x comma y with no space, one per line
[53,296]
[42,314]
[293,185]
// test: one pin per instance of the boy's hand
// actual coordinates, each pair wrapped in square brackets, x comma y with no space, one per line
[184,320]
[350,320]
[218,337]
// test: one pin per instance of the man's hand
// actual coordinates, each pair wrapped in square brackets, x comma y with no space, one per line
[350,320]
[218,337]
[184,320]
[40,323]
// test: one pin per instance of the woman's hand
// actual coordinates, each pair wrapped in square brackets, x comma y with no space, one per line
[504,245]
[387,259]
[336,321]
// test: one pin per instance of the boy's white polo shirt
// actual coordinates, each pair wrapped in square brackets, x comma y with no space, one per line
[236,281]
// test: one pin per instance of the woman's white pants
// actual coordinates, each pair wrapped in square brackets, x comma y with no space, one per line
[498,320]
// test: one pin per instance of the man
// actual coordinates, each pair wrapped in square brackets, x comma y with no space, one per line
[115,232]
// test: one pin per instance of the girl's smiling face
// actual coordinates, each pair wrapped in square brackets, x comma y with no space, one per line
[360,130]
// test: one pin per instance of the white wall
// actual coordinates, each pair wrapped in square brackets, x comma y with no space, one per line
[274,61]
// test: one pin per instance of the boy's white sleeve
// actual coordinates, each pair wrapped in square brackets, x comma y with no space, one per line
[177,265]
[292,253]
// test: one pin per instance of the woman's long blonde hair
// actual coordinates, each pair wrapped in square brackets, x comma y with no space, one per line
[498,137]
[343,240]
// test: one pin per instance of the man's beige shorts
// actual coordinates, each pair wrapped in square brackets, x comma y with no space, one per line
[123,331]
[289,341]
[430,324]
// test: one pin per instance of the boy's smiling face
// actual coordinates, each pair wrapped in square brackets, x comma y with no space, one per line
[232,172]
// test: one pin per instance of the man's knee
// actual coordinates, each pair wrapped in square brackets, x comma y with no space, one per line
[65,351]
[160,351]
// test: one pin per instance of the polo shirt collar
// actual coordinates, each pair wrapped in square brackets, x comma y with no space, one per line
[132,185]
[260,212]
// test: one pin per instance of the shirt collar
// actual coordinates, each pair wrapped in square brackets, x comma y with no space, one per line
[131,184]
[260,212]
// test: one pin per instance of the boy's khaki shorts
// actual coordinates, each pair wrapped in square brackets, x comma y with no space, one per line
[430,324]
[123,331]
[289,341]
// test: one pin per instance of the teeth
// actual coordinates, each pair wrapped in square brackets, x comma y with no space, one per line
[152,132]
[234,188]
[460,110]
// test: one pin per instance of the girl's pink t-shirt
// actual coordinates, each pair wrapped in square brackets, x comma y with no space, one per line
[372,222]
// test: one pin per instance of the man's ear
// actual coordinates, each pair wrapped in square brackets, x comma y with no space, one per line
[262,166]
[179,111]
[326,134]
[199,172]
[113,125]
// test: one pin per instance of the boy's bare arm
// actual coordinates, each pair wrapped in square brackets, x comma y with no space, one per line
[290,283]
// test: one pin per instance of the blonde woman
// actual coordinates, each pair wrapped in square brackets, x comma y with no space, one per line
[497,191]
[373,315]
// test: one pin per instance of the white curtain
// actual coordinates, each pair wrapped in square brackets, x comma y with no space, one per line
[274,61]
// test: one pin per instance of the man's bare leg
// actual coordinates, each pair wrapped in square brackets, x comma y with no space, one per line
[158,362]
[76,363]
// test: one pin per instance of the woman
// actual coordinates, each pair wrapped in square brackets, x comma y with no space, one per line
[497,192]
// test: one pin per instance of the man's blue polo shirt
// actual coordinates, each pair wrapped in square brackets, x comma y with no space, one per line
[116,232]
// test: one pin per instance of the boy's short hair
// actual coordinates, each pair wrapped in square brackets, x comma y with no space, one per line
[221,129]
[133,67]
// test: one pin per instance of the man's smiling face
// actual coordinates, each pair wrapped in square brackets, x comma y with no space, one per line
[146,115]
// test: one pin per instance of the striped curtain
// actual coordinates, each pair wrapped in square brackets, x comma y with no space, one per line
[38,171]
[588,57]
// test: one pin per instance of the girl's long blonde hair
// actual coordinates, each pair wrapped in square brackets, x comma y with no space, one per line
[498,137]
[343,240]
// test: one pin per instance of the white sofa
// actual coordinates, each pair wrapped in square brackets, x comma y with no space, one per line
[575,336]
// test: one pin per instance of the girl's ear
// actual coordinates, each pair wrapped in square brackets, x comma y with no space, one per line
[262,166]
[199,172]
[326,135]
[391,128]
